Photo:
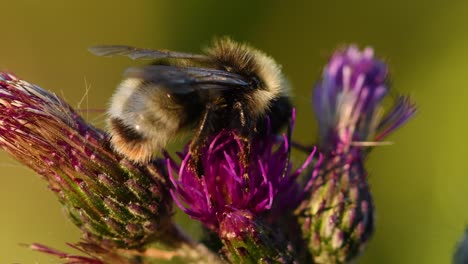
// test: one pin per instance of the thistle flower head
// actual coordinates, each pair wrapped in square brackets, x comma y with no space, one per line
[338,216]
[347,100]
[113,201]
[227,185]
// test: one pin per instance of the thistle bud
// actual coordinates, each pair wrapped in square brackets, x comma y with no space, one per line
[114,202]
[337,217]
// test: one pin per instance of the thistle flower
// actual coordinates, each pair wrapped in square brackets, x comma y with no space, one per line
[338,215]
[113,202]
[233,200]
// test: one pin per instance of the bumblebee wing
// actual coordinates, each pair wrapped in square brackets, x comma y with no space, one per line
[139,53]
[188,79]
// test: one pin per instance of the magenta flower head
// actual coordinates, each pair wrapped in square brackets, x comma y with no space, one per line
[113,202]
[230,198]
[338,215]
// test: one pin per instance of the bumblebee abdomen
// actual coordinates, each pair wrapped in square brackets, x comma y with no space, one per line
[144,117]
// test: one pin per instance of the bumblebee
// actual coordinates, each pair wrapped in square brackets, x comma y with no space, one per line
[230,86]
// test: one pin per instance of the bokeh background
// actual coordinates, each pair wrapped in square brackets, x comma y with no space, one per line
[420,184]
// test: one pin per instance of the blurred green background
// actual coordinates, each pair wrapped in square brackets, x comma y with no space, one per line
[420,184]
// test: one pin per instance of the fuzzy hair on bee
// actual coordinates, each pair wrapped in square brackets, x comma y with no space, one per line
[230,86]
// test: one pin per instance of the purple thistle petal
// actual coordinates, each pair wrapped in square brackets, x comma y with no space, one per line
[305,164]
[271,195]
[315,173]
[262,170]
[402,112]
[169,163]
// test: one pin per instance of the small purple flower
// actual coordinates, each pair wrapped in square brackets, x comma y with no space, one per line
[348,98]
[229,186]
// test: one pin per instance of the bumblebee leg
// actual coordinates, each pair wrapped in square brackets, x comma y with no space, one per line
[246,128]
[198,142]
[288,137]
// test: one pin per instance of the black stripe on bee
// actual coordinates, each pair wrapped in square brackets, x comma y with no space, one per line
[127,133]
